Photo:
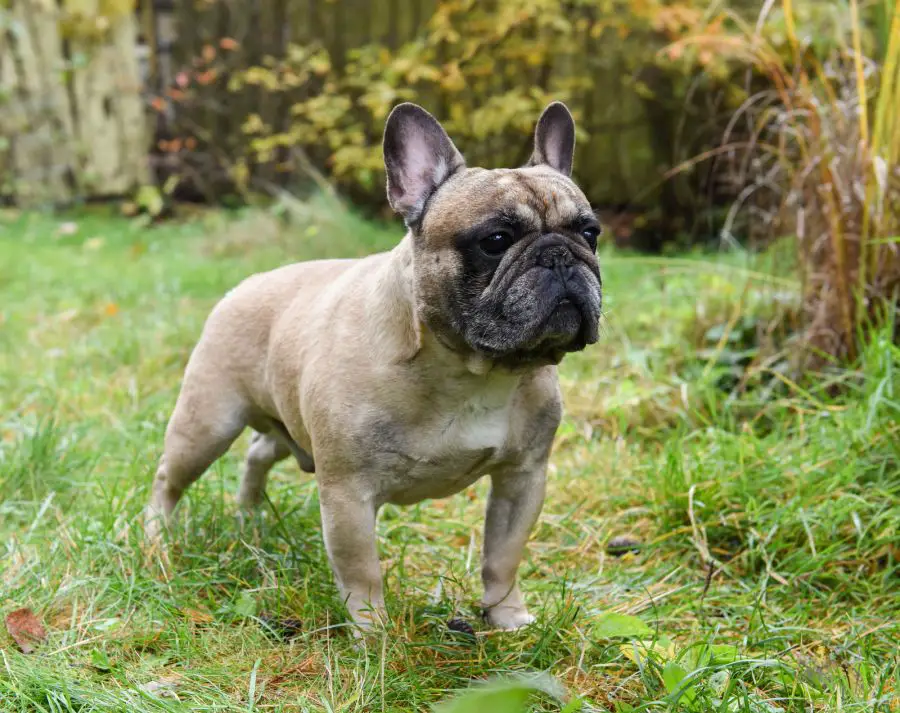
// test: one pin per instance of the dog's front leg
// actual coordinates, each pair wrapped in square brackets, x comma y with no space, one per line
[348,525]
[513,508]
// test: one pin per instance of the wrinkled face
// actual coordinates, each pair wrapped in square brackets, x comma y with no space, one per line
[505,262]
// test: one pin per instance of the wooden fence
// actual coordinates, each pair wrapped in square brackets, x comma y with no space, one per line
[72,119]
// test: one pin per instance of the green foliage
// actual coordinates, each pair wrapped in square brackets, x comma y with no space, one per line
[486,69]
[92,19]
[651,84]
[503,696]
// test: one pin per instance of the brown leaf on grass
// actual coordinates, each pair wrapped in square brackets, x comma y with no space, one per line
[310,666]
[197,616]
[25,628]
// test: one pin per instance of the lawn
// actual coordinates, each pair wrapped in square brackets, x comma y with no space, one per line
[760,566]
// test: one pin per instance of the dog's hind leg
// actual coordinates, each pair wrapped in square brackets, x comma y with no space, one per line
[266,449]
[206,421]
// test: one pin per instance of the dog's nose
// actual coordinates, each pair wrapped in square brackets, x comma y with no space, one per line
[556,256]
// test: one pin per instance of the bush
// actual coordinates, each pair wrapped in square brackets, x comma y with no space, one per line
[819,160]
[315,104]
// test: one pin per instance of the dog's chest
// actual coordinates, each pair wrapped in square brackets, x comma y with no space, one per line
[447,449]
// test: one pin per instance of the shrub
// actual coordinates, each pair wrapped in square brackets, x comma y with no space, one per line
[819,160]
[314,96]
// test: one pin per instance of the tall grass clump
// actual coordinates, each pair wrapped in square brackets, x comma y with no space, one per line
[815,146]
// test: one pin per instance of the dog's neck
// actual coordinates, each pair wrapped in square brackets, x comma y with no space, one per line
[397,287]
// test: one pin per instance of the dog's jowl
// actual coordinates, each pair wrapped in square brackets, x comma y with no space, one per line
[409,374]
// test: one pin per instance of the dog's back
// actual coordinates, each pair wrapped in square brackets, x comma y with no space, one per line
[236,338]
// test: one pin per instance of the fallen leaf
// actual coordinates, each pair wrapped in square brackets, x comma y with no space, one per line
[25,628]
[502,696]
[162,688]
[612,625]
[310,666]
[106,624]
[623,545]
[245,605]
[100,661]
[641,652]
[197,616]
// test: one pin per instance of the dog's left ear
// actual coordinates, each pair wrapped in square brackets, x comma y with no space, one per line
[554,139]
[418,156]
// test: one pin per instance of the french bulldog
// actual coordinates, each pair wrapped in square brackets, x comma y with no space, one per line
[409,374]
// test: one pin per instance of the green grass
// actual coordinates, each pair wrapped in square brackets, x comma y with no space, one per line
[767,577]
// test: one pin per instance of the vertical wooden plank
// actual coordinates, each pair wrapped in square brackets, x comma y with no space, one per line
[393,24]
[128,103]
[149,31]
[42,149]
[109,123]
[338,20]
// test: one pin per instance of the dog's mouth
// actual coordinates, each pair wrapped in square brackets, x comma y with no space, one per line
[546,334]
[570,326]
[564,322]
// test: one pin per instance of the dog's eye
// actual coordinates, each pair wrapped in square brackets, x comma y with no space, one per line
[496,244]
[590,234]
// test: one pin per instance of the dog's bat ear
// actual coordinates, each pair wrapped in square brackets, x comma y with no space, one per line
[554,139]
[419,157]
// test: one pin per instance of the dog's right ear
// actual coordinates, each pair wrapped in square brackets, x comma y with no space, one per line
[419,157]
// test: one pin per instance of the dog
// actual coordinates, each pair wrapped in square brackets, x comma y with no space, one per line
[409,374]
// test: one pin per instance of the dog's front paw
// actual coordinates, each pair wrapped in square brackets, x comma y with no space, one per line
[366,617]
[508,617]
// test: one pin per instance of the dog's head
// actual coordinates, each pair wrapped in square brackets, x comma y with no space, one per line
[504,259]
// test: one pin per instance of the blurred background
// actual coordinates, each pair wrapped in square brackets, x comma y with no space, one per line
[700,123]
